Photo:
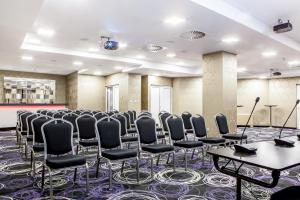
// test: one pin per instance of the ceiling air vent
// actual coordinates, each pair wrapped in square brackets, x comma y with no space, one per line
[192,35]
[154,48]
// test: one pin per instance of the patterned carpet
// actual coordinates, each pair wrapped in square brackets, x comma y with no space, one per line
[200,181]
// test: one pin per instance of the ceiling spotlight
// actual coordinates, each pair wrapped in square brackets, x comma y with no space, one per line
[140,57]
[269,54]
[122,45]
[294,62]
[171,55]
[241,69]
[97,73]
[230,40]
[174,20]
[77,63]
[180,63]
[82,70]
[45,32]
[118,67]
[27,58]
[93,49]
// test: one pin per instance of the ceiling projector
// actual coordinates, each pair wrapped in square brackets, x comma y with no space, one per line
[110,44]
[282,27]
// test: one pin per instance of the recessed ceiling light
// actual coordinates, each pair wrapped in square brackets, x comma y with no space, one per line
[156,74]
[171,55]
[180,63]
[27,57]
[140,57]
[122,45]
[269,53]
[45,32]
[174,20]
[294,62]
[118,67]
[97,73]
[241,69]
[230,40]
[263,77]
[93,49]
[82,70]
[77,63]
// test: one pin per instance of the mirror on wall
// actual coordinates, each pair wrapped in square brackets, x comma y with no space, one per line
[27,90]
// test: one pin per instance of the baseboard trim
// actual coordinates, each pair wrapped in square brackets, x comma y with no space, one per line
[7,128]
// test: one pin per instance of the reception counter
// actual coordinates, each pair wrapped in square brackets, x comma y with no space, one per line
[8,112]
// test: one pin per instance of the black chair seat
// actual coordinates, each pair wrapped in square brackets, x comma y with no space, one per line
[29,138]
[131,130]
[88,143]
[129,139]
[290,193]
[160,136]
[212,140]
[188,144]
[189,131]
[157,148]
[234,136]
[117,154]
[38,147]
[65,161]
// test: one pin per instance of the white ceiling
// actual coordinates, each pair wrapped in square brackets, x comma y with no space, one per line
[78,25]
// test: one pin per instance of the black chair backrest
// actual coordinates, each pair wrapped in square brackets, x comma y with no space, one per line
[126,114]
[77,112]
[71,117]
[24,121]
[163,117]
[199,127]
[186,117]
[58,115]
[146,129]
[44,112]
[123,123]
[108,133]
[58,137]
[145,114]
[134,115]
[100,115]
[36,125]
[221,121]
[28,121]
[131,116]
[86,126]
[110,113]
[86,113]
[175,128]
[50,113]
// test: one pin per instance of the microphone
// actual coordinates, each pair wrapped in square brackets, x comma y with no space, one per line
[284,142]
[243,149]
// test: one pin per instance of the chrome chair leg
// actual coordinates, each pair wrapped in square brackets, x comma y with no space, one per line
[98,165]
[110,176]
[87,177]
[51,186]
[43,177]
[151,167]
[157,161]
[137,170]
[193,154]
[75,174]
[185,160]
[168,159]
[174,161]
[122,167]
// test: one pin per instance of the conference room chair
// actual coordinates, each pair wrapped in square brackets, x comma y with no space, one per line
[125,136]
[110,113]
[77,112]
[289,193]
[50,113]
[100,115]
[37,139]
[144,113]
[200,133]
[186,116]
[58,115]
[29,135]
[59,150]
[87,113]
[18,123]
[131,117]
[163,123]
[22,134]
[44,112]
[178,138]
[85,125]
[128,120]
[108,131]
[147,140]
[134,115]
[221,122]
[71,117]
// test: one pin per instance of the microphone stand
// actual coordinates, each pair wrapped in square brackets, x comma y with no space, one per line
[284,142]
[244,149]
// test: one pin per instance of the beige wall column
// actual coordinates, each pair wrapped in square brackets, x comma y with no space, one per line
[219,89]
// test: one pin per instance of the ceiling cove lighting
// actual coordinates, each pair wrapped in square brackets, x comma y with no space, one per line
[171,55]
[33,41]
[45,32]
[241,69]
[82,70]
[230,40]
[294,62]
[27,58]
[118,67]
[77,63]
[97,73]
[268,54]
[93,49]
[263,77]
[174,20]
[122,45]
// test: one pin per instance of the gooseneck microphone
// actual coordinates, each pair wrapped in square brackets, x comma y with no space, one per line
[285,142]
[241,148]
